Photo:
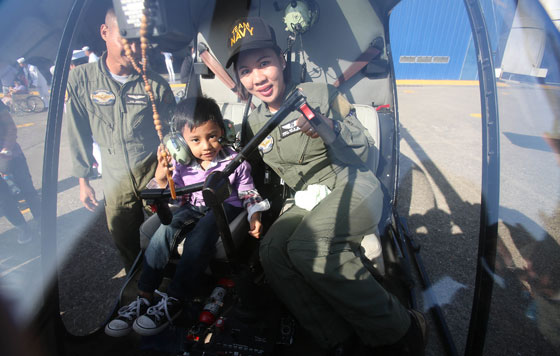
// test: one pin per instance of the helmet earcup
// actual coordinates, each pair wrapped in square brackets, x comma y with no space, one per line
[178,148]
[229,134]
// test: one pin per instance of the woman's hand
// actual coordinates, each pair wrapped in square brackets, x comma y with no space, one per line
[256,226]
[162,167]
[306,127]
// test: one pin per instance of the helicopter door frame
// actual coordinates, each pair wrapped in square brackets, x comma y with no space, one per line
[490,185]
[49,318]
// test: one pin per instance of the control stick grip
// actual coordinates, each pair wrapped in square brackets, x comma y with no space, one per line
[164,213]
[327,134]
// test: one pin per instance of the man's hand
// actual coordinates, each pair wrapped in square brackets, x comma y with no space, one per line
[256,226]
[87,195]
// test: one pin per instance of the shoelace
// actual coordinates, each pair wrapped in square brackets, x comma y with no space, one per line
[156,310]
[133,309]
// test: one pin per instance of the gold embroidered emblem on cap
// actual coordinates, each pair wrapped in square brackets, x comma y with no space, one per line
[240,31]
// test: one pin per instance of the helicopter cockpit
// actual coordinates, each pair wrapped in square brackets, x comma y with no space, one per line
[460,101]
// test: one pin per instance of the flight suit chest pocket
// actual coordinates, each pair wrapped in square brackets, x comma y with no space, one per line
[291,141]
[101,108]
[141,124]
[138,111]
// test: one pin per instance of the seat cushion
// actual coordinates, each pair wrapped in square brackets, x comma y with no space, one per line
[369,119]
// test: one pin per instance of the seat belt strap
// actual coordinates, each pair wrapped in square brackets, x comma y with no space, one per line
[363,59]
[216,67]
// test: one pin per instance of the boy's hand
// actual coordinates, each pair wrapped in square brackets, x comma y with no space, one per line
[256,226]
[161,170]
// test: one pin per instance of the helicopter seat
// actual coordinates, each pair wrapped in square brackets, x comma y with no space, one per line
[233,112]
[370,120]
[370,245]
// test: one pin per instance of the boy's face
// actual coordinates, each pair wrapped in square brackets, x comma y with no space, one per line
[204,140]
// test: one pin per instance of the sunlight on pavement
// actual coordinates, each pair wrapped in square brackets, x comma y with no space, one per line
[10,270]
[120,274]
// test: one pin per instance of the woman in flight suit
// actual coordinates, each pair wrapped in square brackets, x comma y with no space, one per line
[308,254]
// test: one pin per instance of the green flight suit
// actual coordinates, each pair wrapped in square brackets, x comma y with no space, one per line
[309,256]
[119,117]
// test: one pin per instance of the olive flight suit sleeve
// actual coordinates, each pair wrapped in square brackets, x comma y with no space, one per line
[352,132]
[79,132]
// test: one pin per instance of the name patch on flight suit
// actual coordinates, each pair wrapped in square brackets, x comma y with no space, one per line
[103,97]
[289,128]
[266,145]
[136,99]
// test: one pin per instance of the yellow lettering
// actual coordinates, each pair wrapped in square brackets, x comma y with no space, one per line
[239,32]
[242,30]
[233,39]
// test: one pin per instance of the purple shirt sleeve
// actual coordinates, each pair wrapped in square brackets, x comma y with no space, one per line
[242,179]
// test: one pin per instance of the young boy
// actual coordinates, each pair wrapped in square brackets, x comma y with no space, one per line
[202,127]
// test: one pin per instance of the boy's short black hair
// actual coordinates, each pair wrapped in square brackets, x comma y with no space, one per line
[195,111]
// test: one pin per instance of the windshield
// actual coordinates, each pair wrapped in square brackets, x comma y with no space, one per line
[417,94]
[441,164]
[527,267]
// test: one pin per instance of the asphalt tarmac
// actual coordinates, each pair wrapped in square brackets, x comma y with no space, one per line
[439,194]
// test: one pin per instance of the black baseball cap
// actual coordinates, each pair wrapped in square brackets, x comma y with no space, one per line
[249,33]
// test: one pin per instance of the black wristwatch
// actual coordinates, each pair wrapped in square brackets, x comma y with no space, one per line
[336,127]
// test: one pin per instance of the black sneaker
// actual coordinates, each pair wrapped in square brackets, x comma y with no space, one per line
[422,327]
[159,316]
[122,324]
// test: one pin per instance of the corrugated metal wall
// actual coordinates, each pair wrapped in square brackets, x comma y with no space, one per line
[431,39]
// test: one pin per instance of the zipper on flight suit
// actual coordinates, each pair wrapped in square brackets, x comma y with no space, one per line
[122,112]
[300,161]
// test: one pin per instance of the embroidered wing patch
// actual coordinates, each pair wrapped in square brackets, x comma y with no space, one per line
[103,97]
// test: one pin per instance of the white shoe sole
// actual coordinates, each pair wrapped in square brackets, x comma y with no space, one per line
[116,332]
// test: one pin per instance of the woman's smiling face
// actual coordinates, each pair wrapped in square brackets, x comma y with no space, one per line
[261,73]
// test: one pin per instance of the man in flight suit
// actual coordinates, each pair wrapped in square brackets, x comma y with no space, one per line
[107,103]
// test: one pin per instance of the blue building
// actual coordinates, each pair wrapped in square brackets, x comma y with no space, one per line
[432,39]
